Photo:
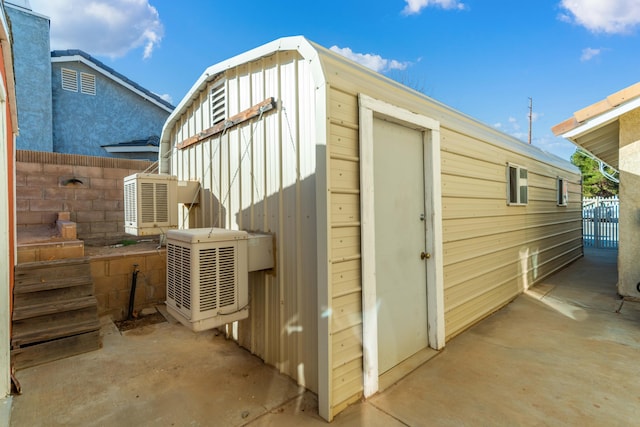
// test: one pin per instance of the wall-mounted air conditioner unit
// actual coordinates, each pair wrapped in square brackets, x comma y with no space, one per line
[151,202]
[207,277]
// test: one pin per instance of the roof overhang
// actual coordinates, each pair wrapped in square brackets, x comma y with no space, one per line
[596,128]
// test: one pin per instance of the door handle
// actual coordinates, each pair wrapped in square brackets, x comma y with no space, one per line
[425,255]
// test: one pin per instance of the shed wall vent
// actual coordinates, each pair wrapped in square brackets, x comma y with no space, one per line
[218,99]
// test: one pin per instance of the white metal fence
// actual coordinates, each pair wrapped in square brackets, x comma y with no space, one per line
[600,222]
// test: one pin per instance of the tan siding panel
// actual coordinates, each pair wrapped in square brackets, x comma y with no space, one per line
[345,243]
[347,346]
[346,312]
[345,174]
[343,141]
[346,277]
[464,316]
[345,208]
[456,165]
[344,108]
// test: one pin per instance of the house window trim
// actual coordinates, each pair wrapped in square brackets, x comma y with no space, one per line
[562,192]
[519,185]
[69,72]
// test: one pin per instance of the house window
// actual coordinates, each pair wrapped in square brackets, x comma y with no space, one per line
[69,80]
[88,83]
[218,102]
[562,192]
[517,185]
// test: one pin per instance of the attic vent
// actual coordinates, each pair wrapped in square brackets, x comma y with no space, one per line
[69,80]
[87,83]
[218,102]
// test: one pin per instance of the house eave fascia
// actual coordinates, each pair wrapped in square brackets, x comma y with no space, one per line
[601,120]
[83,60]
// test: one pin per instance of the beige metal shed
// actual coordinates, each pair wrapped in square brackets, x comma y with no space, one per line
[398,221]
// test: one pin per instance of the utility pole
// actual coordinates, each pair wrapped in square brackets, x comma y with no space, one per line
[530,117]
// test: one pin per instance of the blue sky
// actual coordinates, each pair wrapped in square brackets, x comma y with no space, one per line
[484,58]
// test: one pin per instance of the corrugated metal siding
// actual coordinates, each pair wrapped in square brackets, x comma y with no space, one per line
[260,176]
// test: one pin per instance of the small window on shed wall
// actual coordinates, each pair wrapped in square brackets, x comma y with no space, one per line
[562,192]
[218,99]
[87,83]
[517,185]
[69,80]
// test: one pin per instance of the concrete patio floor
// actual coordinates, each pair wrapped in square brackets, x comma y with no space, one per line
[564,353]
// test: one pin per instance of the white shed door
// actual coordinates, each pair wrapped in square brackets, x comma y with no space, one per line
[400,238]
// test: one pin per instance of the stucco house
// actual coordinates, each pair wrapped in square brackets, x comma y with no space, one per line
[125,118]
[610,130]
[60,93]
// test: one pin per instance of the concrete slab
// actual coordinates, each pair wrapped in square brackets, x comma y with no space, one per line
[159,374]
[564,354]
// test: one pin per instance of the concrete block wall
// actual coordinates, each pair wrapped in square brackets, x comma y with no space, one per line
[89,188]
[112,281]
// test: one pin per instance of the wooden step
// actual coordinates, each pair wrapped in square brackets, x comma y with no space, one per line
[54,350]
[55,312]
[30,333]
[25,299]
[44,285]
[32,273]
[52,307]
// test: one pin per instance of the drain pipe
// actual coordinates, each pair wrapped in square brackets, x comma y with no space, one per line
[132,294]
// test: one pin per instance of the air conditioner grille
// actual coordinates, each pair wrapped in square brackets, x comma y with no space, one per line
[208,279]
[154,202]
[227,269]
[179,275]
[130,208]
[162,202]
[146,201]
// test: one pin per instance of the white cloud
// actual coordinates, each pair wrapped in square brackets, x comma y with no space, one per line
[369,60]
[166,97]
[602,16]
[416,6]
[589,53]
[102,27]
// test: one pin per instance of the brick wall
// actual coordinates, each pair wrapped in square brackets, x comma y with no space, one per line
[90,188]
[112,280]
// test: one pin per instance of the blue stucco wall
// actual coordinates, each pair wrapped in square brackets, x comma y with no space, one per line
[82,123]
[32,67]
